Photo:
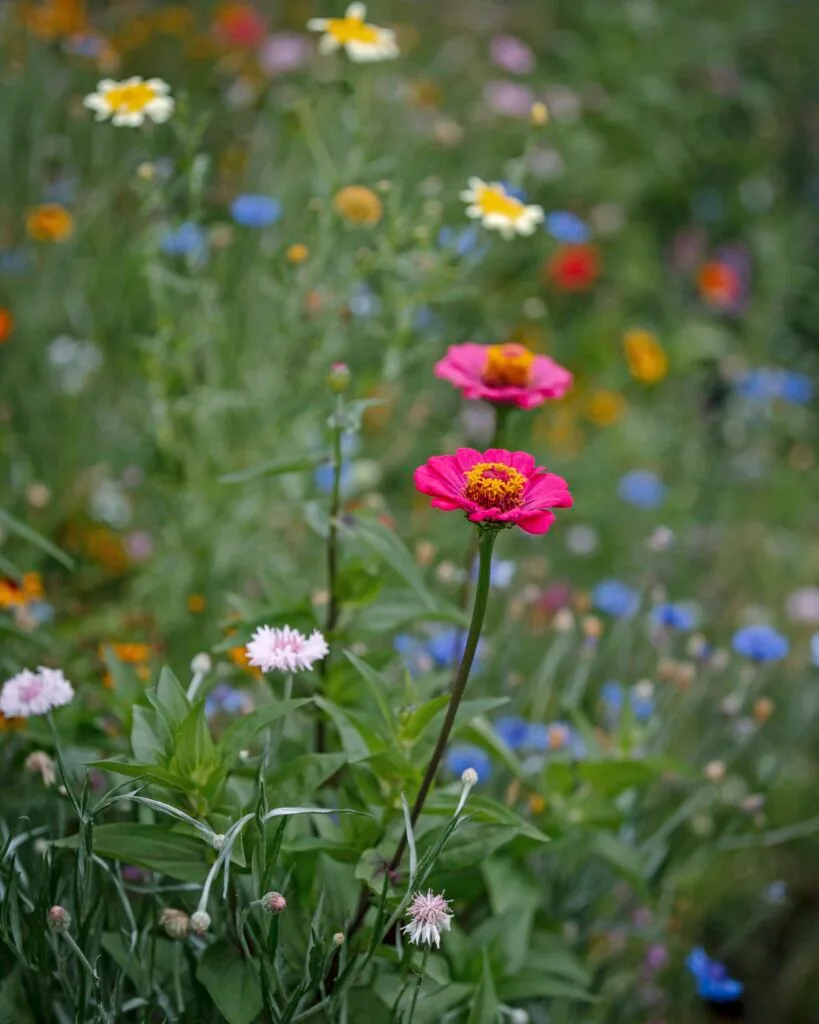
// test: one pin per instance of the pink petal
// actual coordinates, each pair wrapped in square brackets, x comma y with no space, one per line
[536,522]
[444,505]
[547,490]
[467,458]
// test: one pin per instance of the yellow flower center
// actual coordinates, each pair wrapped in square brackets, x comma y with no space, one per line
[508,365]
[495,485]
[131,99]
[493,199]
[352,30]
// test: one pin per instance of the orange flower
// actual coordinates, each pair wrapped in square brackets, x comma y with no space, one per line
[17,595]
[196,603]
[573,268]
[719,283]
[50,223]
[55,18]
[129,653]
[6,325]
[647,362]
[6,724]
[238,655]
[359,205]
[297,253]
[605,408]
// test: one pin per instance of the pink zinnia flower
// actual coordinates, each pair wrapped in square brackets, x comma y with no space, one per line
[508,374]
[35,693]
[429,917]
[495,486]
[285,650]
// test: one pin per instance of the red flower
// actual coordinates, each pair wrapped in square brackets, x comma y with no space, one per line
[495,486]
[574,268]
[720,284]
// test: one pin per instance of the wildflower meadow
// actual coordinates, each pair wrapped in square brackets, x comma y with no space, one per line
[409,546]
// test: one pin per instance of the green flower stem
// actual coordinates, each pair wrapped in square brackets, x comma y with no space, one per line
[418,985]
[332,556]
[486,542]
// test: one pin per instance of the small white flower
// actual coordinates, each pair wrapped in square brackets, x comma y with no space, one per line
[499,210]
[363,42]
[35,693]
[129,102]
[429,916]
[285,650]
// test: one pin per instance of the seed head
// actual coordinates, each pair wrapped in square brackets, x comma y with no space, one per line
[175,922]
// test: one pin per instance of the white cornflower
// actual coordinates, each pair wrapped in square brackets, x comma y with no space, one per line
[128,103]
[34,693]
[362,42]
[285,650]
[429,917]
[499,210]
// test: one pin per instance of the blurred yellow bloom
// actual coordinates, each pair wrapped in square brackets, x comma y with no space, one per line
[55,18]
[49,223]
[196,603]
[604,408]
[238,655]
[129,654]
[359,205]
[646,359]
[362,42]
[536,803]
[539,114]
[17,595]
[6,724]
[175,20]
[297,253]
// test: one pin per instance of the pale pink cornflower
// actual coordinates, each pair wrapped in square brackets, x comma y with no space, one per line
[429,917]
[285,650]
[35,693]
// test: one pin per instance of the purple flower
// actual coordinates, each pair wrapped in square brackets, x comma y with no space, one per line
[283,52]
[512,54]
[510,99]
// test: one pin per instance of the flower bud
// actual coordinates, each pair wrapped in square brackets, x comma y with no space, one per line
[715,771]
[200,922]
[201,663]
[469,777]
[518,1016]
[338,939]
[59,919]
[175,922]
[338,379]
[274,902]
[218,840]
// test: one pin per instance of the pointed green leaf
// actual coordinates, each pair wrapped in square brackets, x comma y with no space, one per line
[387,545]
[145,743]
[232,983]
[237,736]
[169,699]
[352,740]
[14,525]
[484,1008]
[377,685]
[154,847]
[194,751]
[276,467]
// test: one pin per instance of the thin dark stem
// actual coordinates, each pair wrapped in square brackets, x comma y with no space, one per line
[332,557]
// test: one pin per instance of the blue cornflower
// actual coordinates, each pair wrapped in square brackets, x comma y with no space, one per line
[253,211]
[764,384]
[713,981]
[514,731]
[611,696]
[232,701]
[814,650]
[642,489]
[447,647]
[760,643]
[464,242]
[616,598]
[186,240]
[672,616]
[567,227]
[464,756]
[642,701]
[796,388]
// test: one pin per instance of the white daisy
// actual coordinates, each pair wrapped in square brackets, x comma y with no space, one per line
[128,103]
[362,42]
[498,210]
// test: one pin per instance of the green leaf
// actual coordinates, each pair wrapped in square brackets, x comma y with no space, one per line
[232,983]
[237,736]
[485,810]
[396,609]
[623,858]
[377,685]
[169,699]
[194,751]
[352,740]
[387,545]
[276,467]
[14,525]
[149,846]
[145,743]
[537,985]
[481,733]
[310,770]
[432,1006]
[484,1008]
[433,712]
[152,772]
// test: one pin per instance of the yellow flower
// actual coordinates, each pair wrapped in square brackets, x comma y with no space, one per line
[646,359]
[605,408]
[196,603]
[50,223]
[129,654]
[539,114]
[297,253]
[176,20]
[128,103]
[55,18]
[499,210]
[18,595]
[359,205]
[362,42]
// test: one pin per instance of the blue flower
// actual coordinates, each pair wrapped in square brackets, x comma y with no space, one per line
[324,477]
[500,574]
[642,489]
[514,731]
[642,701]
[760,643]
[14,262]
[253,211]
[672,616]
[796,388]
[464,756]
[764,384]
[555,737]
[713,981]
[464,242]
[616,598]
[814,650]
[186,240]
[611,696]
[228,699]
[567,227]
[447,648]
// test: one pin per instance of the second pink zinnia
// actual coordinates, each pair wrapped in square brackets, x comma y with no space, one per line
[495,486]
[508,374]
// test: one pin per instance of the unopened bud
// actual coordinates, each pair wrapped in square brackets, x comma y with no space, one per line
[715,771]
[519,1016]
[338,379]
[39,761]
[469,777]
[218,840]
[274,902]
[200,922]
[175,922]
[338,939]
[59,919]
[147,171]
[201,664]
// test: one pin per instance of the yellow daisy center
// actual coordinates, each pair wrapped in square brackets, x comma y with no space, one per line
[495,485]
[352,30]
[508,365]
[131,99]
[493,200]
